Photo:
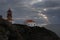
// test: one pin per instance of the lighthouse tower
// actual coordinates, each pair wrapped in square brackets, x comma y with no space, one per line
[9,15]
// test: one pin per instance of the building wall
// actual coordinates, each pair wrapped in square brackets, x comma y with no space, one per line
[31,24]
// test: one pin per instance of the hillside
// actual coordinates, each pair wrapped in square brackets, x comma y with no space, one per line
[54,27]
[10,31]
[36,33]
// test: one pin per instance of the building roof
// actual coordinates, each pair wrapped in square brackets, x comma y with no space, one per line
[30,21]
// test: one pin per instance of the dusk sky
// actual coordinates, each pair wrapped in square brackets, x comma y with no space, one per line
[42,11]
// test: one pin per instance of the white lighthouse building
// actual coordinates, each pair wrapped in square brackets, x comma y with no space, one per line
[30,23]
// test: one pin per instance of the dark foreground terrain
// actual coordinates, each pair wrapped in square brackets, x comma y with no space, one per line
[10,31]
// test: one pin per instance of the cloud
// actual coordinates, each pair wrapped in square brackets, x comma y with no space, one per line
[47,4]
[22,8]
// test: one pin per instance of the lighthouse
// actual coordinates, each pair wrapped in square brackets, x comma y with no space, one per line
[9,15]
